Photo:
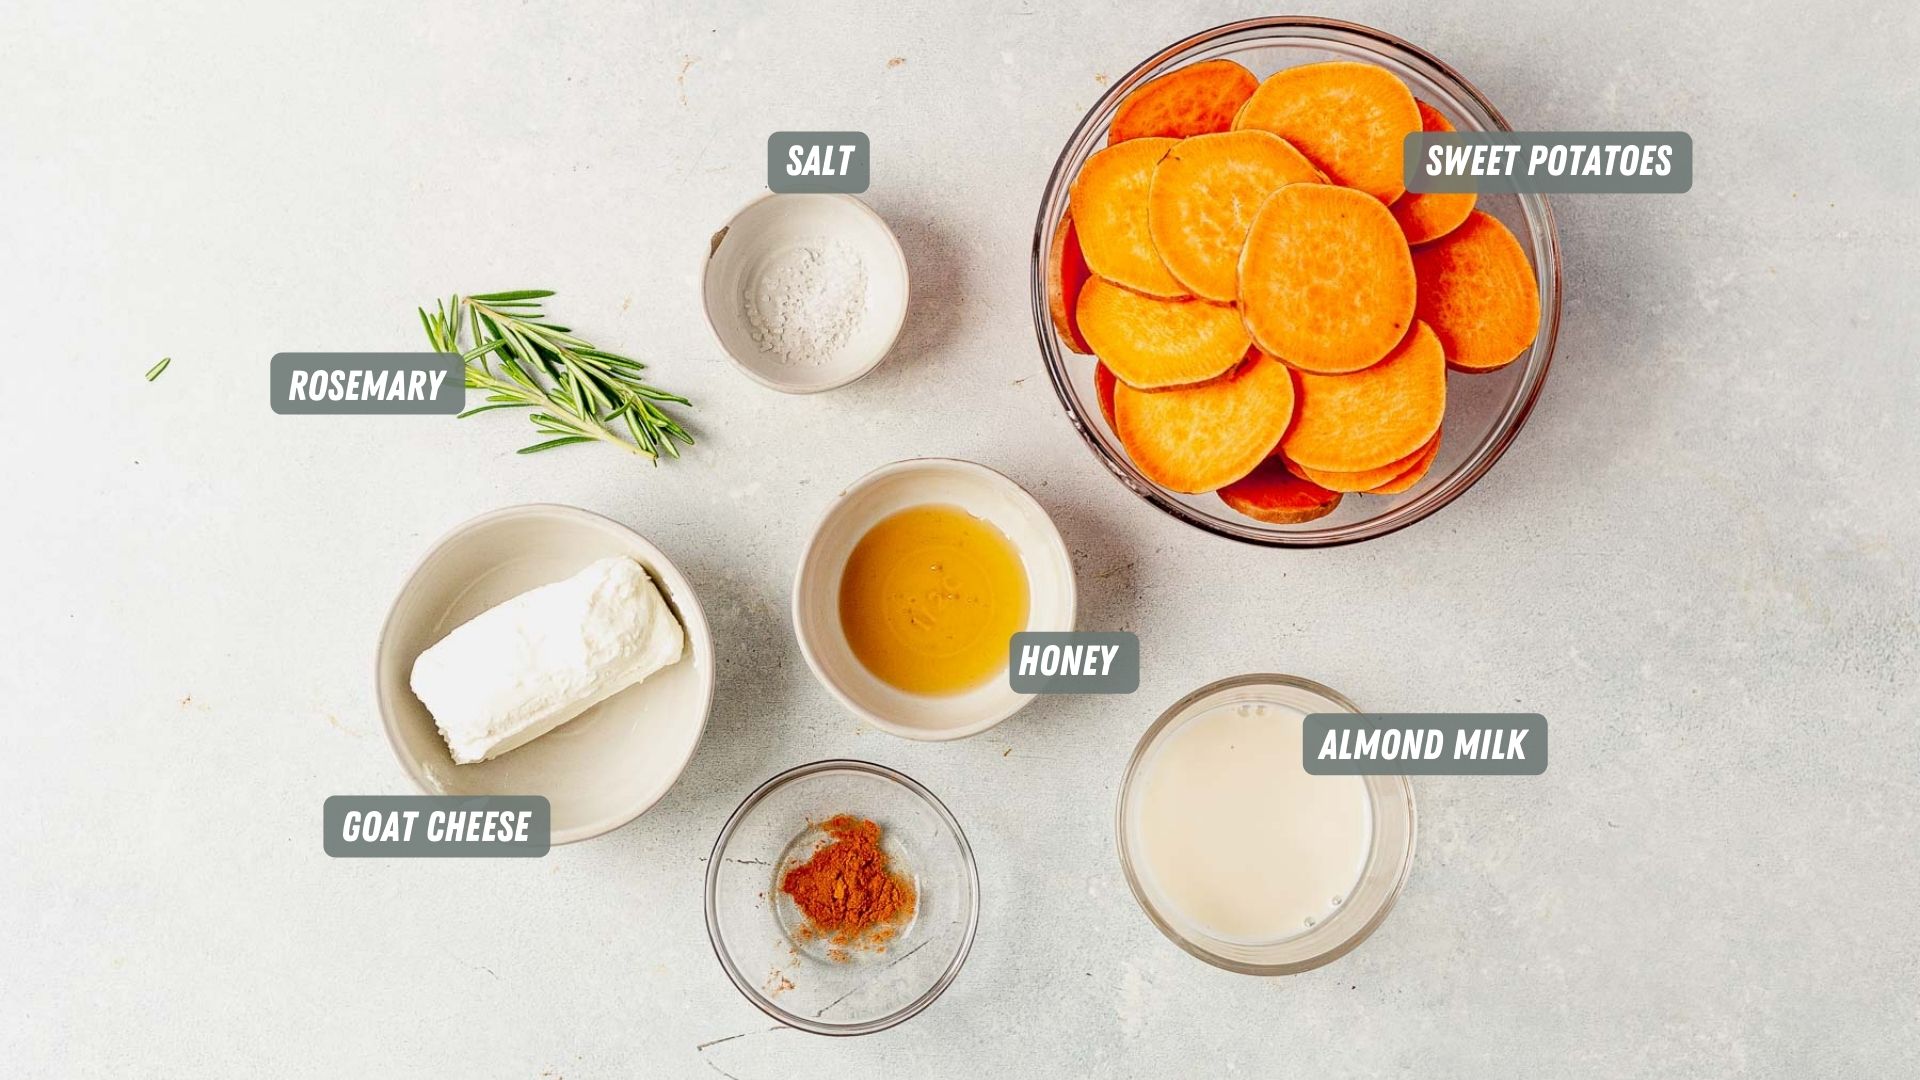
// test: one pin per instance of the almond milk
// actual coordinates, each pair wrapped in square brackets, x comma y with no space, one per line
[1237,837]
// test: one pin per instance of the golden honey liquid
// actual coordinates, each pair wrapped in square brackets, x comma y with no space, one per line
[930,597]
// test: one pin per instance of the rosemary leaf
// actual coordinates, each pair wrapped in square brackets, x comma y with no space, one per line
[551,443]
[497,405]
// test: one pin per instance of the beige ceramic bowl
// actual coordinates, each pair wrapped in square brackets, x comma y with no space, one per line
[979,491]
[608,765]
[771,228]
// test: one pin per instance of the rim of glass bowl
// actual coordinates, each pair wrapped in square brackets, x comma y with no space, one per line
[1380,789]
[1544,241]
[740,981]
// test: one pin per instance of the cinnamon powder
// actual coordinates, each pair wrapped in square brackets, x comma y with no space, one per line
[846,890]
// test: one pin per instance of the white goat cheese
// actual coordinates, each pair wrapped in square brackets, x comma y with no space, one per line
[516,671]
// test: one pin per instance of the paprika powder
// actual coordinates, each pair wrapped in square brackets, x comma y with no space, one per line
[846,889]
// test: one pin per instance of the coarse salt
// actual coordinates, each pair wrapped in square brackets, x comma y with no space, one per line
[807,302]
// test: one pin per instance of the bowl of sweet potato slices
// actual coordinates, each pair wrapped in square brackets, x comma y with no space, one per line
[1253,323]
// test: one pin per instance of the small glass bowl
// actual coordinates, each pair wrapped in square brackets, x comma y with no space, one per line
[1389,852]
[1484,411]
[807,983]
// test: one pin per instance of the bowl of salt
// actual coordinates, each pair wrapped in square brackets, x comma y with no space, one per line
[805,292]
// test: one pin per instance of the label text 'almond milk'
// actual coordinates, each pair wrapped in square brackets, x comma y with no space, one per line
[1425,744]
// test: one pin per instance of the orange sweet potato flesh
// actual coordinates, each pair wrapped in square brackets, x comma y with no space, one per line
[1205,193]
[1066,273]
[1194,100]
[1432,215]
[1367,479]
[1478,292]
[1150,343]
[1414,473]
[1350,119]
[1364,420]
[1202,438]
[1103,384]
[1109,207]
[1272,494]
[1326,280]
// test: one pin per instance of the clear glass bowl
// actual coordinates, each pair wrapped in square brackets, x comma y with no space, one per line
[1484,412]
[1389,851]
[804,981]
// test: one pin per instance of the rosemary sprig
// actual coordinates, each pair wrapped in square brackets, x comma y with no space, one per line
[578,391]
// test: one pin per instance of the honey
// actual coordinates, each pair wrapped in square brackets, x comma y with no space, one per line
[930,597]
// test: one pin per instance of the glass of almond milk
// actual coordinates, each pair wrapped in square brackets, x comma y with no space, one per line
[1236,853]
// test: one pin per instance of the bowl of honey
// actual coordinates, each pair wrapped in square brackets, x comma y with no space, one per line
[912,587]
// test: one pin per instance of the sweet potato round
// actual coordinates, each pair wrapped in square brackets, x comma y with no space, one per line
[1066,273]
[1272,494]
[1103,384]
[1366,480]
[1350,119]
[1194,100]
[1109,207]
[1478,292]
[1150,343]
[1432,215]
[1414,472]
[1205,193]
[1366,419]
[1326,281]
[1202,438]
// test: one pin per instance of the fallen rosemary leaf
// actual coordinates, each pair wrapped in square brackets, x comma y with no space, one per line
[578,391]
[154,371]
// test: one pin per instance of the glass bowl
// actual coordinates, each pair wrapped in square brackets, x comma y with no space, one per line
[1389,850]
[1484,411]
[804,981]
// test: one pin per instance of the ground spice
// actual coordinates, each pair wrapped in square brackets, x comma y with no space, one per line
[846,890]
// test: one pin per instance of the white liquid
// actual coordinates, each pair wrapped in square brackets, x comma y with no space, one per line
[1237,837]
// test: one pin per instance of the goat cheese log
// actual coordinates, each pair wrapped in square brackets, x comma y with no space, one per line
[516,671]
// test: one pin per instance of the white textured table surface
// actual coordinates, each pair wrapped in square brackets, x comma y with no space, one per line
[1698,560]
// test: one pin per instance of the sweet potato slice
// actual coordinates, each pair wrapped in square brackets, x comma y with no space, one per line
[1202,438]
[1205,193]
[1360,421]
[1066,273]
[1103,384]
[1350,119]
[1326,282]
[1415,472]
[1191,101]
[1366,479]
[1150,343]
[1272,494]
[1109,207]
[1431,215]
[1478,292]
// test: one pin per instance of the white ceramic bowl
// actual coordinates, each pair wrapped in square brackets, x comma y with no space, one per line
[979,491]
[772,227]
[606,766]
